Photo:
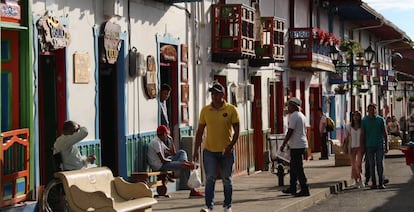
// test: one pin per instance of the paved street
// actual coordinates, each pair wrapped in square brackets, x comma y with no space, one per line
[260,191]
[396,197]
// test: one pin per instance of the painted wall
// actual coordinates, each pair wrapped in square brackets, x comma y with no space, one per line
[148,19]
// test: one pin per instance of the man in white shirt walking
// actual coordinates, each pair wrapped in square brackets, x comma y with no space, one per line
[298,144]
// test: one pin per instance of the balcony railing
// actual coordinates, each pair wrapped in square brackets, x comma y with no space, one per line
[310,48]
[271,47]
[233,32]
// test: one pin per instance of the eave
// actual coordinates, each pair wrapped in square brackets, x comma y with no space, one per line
[362,15]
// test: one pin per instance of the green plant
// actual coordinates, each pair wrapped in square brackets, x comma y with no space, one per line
[351,47]
[411,99]
[341,89]
[399,98]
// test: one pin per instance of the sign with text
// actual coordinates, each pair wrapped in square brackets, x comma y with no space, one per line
[81,68]
[53,34]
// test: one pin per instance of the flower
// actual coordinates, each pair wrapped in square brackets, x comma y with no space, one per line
[326,38]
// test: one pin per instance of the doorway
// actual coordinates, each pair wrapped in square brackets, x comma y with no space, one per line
[52,106]
[108,129]
[169,75]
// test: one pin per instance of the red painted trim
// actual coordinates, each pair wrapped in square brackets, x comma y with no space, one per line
[257,122]
[279,104]
[13,66]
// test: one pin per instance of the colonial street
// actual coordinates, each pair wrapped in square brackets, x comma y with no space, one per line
[260,191]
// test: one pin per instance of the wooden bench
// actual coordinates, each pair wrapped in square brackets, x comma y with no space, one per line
[160,183]
[96,189]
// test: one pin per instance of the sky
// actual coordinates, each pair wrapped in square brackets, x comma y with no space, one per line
[399,12]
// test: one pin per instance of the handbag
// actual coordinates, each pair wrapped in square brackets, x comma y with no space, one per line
[194,181]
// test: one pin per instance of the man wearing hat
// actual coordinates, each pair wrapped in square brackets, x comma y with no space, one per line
[223,126]
[298,144]
[160,162]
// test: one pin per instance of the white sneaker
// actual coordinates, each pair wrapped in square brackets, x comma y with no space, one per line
[361,184]
[205,210]
[227,209]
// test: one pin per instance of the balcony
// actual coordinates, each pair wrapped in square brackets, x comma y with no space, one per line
[271,47]
[233,32]
[309,49]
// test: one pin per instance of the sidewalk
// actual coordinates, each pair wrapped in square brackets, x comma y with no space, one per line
[260,191]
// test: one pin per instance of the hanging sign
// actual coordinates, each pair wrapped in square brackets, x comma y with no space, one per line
[53,35]
[112,42]
[168,53]
[10,11]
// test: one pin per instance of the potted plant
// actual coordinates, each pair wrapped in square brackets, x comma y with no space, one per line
[341,89]
[399,98]
[351,47]
[363,89]
[411,99]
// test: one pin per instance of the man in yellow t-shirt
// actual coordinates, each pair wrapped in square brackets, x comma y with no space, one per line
[223,128]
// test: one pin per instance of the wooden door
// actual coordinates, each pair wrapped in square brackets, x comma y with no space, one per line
[257,123]
[315,103]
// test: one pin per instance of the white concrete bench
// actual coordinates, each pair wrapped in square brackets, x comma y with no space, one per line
[96,189]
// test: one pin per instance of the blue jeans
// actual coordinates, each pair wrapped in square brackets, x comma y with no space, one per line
[212,161]
[375,156]
[176,161]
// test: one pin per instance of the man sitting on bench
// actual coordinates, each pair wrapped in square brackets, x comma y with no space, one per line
[72,133]
[176,161]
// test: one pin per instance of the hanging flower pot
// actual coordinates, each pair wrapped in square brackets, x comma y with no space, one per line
[341,89]
[399,99]
[411,99]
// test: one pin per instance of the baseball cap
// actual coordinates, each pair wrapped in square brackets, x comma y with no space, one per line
[162,129]
[217,87]
[295,101]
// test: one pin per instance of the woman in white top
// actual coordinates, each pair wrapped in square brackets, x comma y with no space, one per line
[353,146]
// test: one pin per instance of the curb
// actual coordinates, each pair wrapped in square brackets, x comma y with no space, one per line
[316,196]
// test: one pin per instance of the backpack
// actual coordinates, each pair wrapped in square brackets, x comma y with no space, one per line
[330,124]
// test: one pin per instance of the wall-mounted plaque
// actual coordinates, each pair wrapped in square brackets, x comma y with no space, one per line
[184,113]
[150,78]
[185,93]
[81,68]
[184,52]
[184,73]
